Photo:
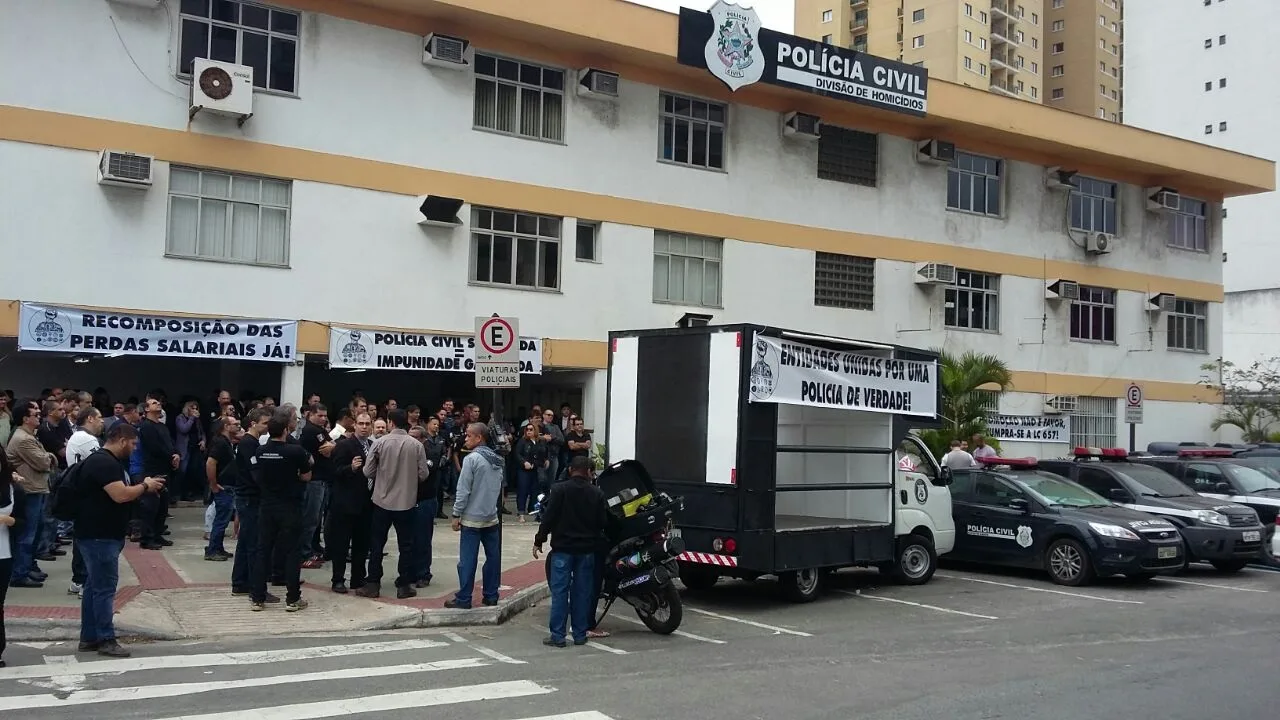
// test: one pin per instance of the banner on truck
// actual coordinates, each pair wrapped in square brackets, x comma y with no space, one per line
[793,373]
[98,332]
[1030,428]
[352,348]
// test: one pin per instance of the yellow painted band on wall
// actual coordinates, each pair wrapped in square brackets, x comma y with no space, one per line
[209,151]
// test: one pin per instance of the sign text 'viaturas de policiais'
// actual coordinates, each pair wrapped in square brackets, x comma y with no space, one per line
[795,373]
[98,332]
[729,42]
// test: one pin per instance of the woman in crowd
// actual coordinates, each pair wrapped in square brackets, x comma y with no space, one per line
[10,528]
[531,453]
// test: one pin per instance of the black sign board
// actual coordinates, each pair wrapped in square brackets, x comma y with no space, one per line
[729,43]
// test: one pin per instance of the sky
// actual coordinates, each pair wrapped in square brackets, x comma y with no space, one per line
[774,14]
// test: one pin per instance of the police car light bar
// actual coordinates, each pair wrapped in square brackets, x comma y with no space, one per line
[1100,452]
[1025,462]
[1207,452]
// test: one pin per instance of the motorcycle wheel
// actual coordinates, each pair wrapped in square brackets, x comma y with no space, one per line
[669,614]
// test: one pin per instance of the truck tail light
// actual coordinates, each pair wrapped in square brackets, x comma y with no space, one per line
[724,545]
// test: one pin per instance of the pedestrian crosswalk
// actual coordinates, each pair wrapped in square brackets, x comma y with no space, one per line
[380,679]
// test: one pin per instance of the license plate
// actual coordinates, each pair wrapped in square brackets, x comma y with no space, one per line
[1165,553]
[675,532]
[1251,536]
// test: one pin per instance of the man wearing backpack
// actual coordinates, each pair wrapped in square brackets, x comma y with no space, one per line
[82,443]
[103,499]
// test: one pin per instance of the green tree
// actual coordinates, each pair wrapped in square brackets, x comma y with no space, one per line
[966,396]
[1250,396]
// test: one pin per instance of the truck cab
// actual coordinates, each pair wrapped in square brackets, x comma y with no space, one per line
[924,510]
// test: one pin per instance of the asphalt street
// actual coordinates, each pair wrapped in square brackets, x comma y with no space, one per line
[973,644]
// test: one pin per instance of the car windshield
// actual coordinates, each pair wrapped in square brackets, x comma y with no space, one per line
[1252,480]
[1269,464]
[1057,490]
[1152,482]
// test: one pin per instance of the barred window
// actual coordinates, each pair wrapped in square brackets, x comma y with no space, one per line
[1093,424]
[229,218]
[1190,225]
[844,281]
[1093,316]
[519,98]
[848,155]
[1188,326]
[973,184]
[692,131]
[1093,206]
[972,302]
[515,248]
[686,269]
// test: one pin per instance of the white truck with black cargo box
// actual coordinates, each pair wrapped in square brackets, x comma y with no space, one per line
[792,451]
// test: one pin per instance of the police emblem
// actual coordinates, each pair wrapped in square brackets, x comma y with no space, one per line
[732,52]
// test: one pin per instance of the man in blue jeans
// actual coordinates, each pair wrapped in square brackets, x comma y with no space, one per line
[103,508]
[574,515]
[475,515]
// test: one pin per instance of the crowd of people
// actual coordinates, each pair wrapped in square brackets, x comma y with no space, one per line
[299,488]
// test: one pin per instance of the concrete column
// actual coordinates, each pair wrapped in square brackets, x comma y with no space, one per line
[594,392]
[292,377]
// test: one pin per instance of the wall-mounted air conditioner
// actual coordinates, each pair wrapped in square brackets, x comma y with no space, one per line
[1098,243]
[597,83]
[1162,303]
[146,4]
[1055,178]
[1062,290]
[1058,404]
[221,89]
[1163,199]
[445,51]
[929,274]
[935,152]
[439,211]
[802,126]
[124,169]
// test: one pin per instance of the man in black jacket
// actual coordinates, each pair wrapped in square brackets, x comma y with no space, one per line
[249,502]
[159,459]
[350,507]
[575,516]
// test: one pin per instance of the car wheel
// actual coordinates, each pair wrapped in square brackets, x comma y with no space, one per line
[916,560]
[1068,563]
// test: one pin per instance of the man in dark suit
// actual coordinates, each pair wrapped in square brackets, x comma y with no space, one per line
[350,507]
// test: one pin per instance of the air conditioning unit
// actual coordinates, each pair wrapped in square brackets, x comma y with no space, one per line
[445,51]
[935,152]
[1055,178]
[1062,290]
[222,89]
[439,211]
[1162,303]
[147,4]
[1058,404]
[1160,199]
[935,274]
[801,125]
[124,169]
[597,83]
[1098,243]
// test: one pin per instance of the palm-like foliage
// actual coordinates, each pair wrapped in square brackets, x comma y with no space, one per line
[1253,422]
[966,386]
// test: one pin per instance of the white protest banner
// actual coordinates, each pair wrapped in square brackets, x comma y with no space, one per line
[352,348]
[1030,428]
[100,332]
[794,373]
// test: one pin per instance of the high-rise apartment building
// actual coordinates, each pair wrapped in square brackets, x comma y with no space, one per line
[1049,51]
[1083,55]
[1201,70]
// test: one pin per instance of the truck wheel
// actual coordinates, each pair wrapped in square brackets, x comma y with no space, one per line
[1068,563]
[1228,566]
[802,586]
[696,578]
[917,560]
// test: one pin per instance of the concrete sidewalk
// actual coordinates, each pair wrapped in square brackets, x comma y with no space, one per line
[175,593]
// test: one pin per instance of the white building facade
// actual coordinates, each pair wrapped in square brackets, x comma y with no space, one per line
[1196,69]
[580,214]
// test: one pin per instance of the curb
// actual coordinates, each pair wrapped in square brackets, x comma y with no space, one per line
[52,630]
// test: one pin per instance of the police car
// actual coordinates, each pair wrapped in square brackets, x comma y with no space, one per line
[1223,534]
[1010,512]
[1216,473]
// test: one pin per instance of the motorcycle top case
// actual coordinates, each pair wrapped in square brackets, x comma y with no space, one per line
[634,502]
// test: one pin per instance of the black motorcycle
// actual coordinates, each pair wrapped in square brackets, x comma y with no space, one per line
[641,566]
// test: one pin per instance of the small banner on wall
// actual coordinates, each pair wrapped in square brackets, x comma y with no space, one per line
[794,373]
[1030,428]
[51,328]
[357,348]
